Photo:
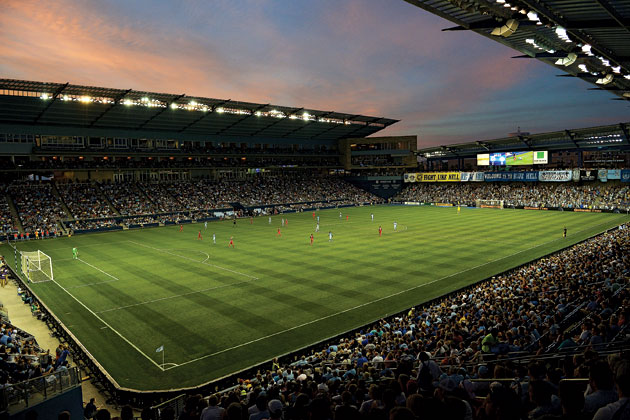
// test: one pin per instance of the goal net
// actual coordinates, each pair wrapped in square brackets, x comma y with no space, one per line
[36,266]
[489,204]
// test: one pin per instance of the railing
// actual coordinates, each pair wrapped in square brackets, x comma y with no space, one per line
[17,397]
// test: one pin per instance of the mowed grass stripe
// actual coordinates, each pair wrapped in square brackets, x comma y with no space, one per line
[299,284]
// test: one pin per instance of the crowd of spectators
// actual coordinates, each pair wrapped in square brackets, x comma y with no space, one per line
[38,207]
[566,195]
[84,200]
[128,199]
[434,361]
[6,218]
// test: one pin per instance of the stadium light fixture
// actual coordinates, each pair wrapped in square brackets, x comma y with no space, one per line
[66,98]
[506,30]
[128,102]
[567,61]
[533,16]
[145,99]
[605,80]
[586,48]
[174,105]
[85,99]
[258,113]
[583,68]
[44,96]
[627,76]
[500,1]
[617,69]
[220,110]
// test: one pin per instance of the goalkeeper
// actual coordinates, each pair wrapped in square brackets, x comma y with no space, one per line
[75,253]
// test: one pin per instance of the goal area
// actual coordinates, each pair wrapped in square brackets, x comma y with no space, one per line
[36,266]
[489,204]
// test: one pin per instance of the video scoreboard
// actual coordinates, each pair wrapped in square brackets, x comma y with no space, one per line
[513,158]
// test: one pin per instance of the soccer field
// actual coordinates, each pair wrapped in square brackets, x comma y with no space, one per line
[216,310]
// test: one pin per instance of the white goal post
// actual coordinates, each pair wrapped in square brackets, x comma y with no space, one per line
[36,266]
[489,204]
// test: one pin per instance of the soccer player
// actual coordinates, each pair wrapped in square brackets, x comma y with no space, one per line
[75,253]
[205,224]
[347,217]
[318,220]
[282,222]
[339,215]
[278,233]
[564,232]
[311,239]
[286,222]
[251,220]
[199,238]
[459,209]
[380,231]
[234,225]
[231,244]
[317,228]
[313,215]
[214,238]
[329,236]
[395,225]
[269,219]
[372,216]
[181,228]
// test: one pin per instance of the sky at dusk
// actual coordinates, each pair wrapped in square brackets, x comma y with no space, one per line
[373,57]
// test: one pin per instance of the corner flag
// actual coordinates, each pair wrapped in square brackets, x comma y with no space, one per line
[159,349]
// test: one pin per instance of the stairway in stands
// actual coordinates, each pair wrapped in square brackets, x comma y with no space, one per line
[106,199]
[14,212]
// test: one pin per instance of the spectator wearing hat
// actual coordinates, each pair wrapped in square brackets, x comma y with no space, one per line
[275,409]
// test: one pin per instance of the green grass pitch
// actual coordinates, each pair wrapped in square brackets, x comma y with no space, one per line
[217,310]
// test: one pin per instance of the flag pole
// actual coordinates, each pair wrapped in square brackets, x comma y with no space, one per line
[163,356]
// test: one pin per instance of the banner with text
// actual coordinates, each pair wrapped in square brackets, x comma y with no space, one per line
[439,177]
[511,176]
[555,176]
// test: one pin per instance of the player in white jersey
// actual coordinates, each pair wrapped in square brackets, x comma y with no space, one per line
[205,224]
[317,228]
[372,216]
[269,219]
[339,215]
[214,238]
[395,225]
[329,236]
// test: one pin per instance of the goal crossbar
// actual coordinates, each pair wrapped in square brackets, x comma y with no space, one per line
[36,266]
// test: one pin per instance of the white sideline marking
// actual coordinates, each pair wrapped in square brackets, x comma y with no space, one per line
[175,296]
[109,326]
[191,259]
[373,301]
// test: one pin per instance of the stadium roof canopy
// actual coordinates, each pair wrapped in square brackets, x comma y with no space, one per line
[63,104]
[611,137]
[589,39]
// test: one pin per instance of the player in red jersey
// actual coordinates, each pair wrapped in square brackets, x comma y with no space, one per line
[347,217]
[231,244]
[199,238]
[181,228]
[279,233]
[312,239]
[380,231]
[286,222]
[251,220]
[313,215]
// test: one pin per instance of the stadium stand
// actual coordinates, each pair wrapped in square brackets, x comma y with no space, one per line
[565,195]
[38,207]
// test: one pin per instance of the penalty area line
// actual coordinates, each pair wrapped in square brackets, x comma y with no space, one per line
[373,301]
